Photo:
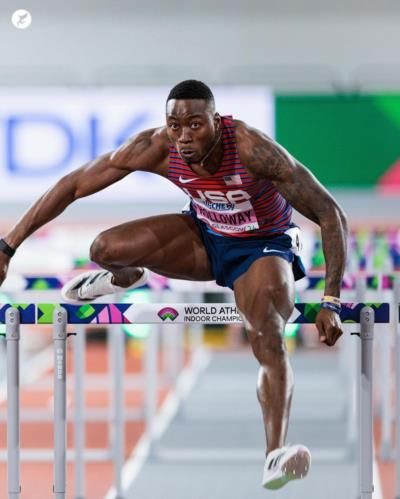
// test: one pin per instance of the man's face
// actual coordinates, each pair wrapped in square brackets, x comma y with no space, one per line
[192,127]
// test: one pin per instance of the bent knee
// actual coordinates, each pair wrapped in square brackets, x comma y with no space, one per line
[101,249]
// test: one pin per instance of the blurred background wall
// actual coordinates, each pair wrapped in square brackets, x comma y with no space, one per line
[290,45]
[334,70]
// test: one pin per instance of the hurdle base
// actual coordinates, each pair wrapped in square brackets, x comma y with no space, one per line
[367,494]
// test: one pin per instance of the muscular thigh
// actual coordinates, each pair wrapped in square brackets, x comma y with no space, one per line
[266,291]
[170,245]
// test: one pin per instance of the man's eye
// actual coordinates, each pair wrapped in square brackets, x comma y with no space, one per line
[195,124]
[173,126]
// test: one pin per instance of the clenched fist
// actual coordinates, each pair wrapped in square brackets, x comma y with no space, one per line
[329,326]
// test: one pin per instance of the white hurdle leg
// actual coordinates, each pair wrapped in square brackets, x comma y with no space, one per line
[13,426]
[386,384]
[352,373]
[172,339]
[79,413]
[60,402]
[117,344]
[366,411]
[151,377]
[354,352]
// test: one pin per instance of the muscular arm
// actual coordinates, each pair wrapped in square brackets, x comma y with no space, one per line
[266,159]
[143,152]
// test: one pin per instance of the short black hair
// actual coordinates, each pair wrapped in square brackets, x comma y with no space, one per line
[191,89]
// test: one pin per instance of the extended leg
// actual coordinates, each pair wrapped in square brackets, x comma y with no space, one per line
[265,296]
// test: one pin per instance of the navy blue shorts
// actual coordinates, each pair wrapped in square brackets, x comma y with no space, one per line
[231,257]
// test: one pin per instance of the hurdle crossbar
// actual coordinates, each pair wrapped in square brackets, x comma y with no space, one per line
[177,313]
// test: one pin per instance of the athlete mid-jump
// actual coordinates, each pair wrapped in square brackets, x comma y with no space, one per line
[237,230]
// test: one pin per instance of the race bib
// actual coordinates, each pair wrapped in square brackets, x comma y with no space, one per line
[230,212]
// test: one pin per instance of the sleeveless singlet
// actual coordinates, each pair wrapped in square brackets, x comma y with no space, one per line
[231,202]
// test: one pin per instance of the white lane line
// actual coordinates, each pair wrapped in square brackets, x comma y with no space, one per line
[377,483]
[167,412]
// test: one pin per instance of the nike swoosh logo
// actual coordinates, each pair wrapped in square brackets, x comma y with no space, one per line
[186,180]
[266,250]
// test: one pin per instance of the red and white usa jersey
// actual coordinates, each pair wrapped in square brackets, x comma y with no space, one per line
[231,202]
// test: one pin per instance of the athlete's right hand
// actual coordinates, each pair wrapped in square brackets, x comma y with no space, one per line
[329,326]
[4,261]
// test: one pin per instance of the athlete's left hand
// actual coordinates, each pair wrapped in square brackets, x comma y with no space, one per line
[329,326]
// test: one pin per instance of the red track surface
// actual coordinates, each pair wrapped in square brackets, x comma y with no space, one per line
[387,470]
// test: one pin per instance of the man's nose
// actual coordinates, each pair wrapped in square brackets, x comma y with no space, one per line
[186,135]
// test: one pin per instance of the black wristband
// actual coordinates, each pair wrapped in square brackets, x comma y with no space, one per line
[5,248]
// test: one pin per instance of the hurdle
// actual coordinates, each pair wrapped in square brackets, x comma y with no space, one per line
[356,286]
[362,287]
[367,315]
[117,415]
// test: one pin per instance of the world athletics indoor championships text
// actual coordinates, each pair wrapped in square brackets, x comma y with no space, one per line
[205,313]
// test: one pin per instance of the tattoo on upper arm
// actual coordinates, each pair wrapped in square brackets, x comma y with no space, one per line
[295,182]
[270,161]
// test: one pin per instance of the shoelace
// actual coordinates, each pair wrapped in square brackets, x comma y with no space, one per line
[94,286]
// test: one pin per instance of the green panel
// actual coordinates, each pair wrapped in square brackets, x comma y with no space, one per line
[347,141]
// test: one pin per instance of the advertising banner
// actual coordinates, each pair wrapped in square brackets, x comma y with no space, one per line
[48,132]
[348,141]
